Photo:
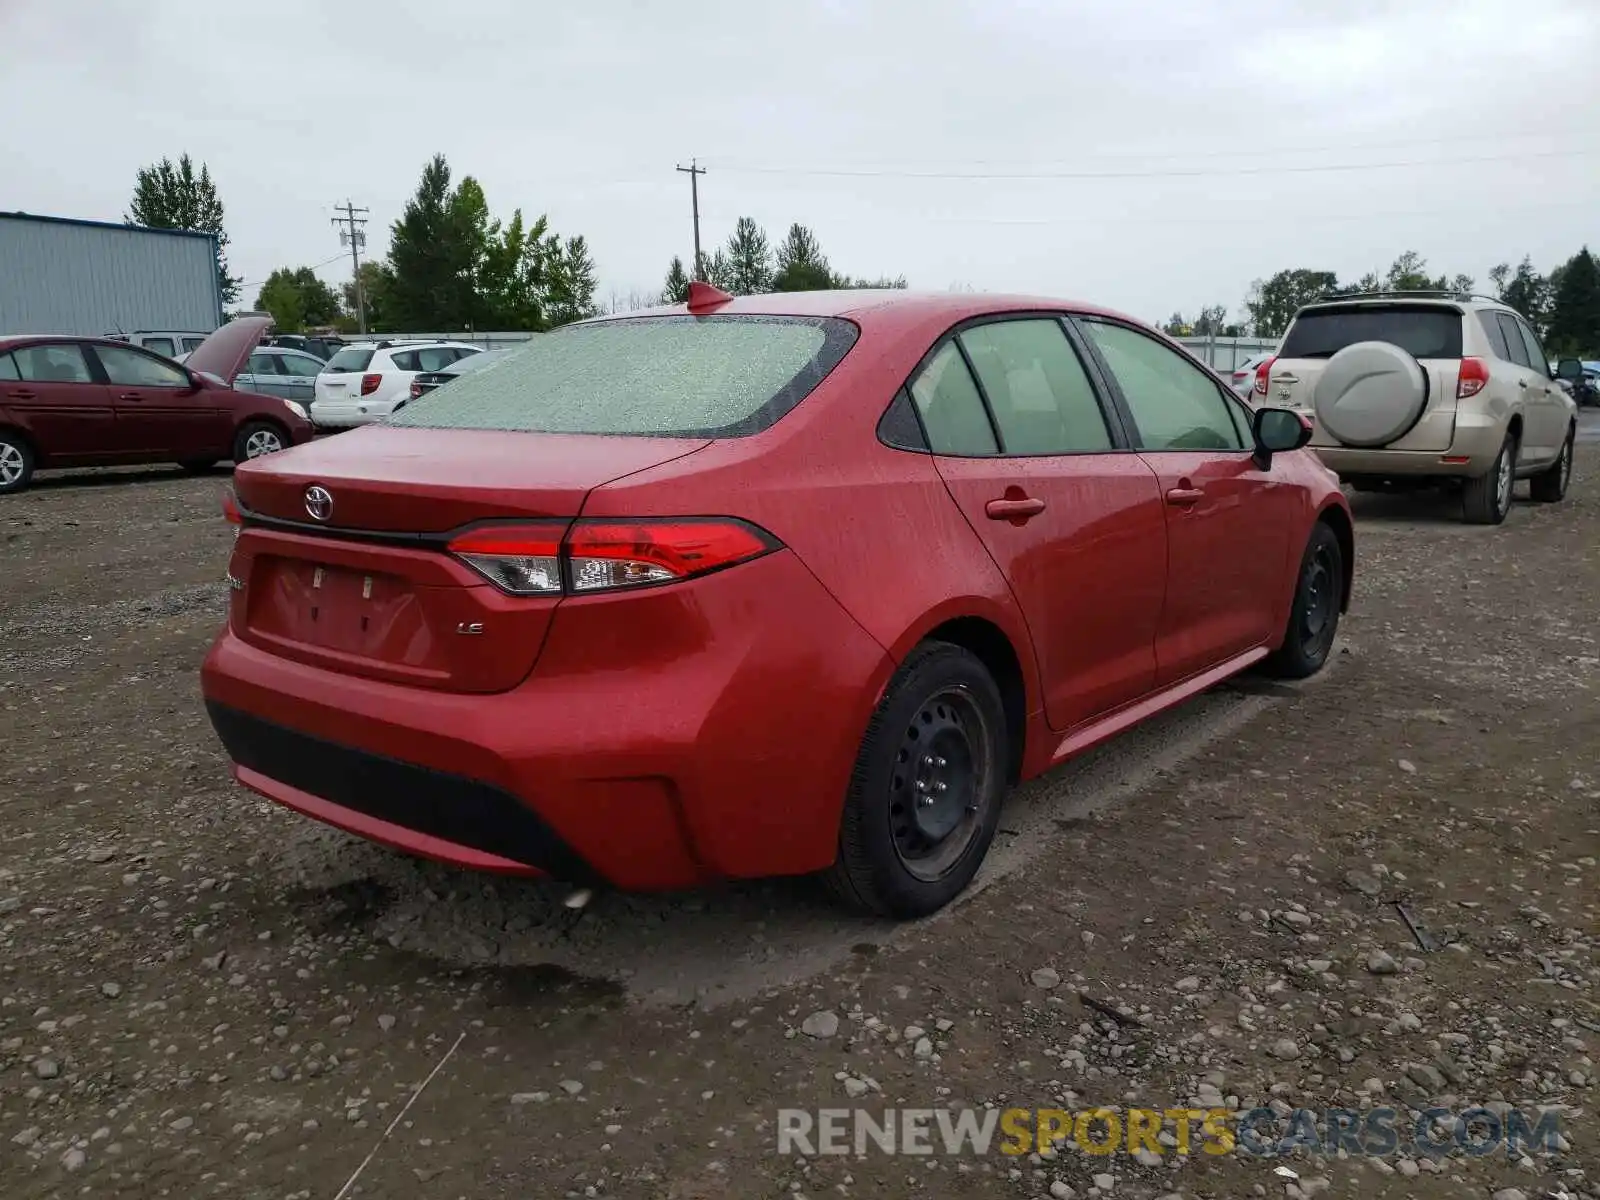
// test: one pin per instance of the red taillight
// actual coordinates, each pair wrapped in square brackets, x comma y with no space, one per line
[1473,379]
[370,384]
[547,558]
[416,389]
[230,508]
[1263,373]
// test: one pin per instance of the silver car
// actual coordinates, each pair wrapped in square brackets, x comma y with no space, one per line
[280,371]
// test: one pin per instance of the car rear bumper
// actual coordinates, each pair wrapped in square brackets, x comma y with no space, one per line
[726,757]
[1473,447]
[347,414]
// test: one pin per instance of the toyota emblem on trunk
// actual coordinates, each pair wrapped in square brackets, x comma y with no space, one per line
[319,503]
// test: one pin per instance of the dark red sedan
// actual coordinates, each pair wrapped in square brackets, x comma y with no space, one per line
[763,586]
[96,402]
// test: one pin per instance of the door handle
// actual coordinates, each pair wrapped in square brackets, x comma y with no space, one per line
[130,396]
[1523,384]
[21,394]
[1017,511]
[1184,496]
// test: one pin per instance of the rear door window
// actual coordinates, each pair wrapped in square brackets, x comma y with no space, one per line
[1037,389]
[52,364]
[951,407]
[432,358]
[8,368]
[674,376]
[1489,322]
[1423,330]
[349,360]
[1515,346]
[404,360]
[1536,358]
[160,345]
[262,364]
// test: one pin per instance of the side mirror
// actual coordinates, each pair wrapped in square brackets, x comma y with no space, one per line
[1277,431]
[1569,368]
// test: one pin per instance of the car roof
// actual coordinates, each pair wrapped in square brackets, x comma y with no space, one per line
[880,306]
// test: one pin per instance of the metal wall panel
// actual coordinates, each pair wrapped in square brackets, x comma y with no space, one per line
[86,277]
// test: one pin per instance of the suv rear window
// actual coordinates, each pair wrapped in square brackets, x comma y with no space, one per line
[349,360]
[675,376]
[1424,330]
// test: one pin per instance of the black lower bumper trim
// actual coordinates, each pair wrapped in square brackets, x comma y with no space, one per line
[465,811]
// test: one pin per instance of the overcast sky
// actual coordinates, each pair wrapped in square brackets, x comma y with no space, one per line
[1169,152]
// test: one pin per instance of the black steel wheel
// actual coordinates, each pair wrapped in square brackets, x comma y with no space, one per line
[925,796]
[1314,615]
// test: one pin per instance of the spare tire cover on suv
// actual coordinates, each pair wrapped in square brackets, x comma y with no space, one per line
[1370,394]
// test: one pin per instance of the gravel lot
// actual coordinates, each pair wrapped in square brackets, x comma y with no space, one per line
[204,995]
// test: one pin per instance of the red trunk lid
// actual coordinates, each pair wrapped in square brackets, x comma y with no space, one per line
[366,592]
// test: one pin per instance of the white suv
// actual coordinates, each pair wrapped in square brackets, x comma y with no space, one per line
[362,382]
[1423,389]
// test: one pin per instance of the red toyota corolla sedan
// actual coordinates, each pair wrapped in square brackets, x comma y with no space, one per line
[763,586]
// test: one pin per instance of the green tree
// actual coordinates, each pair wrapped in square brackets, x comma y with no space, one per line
[1574,326]
[717,271]
[1272,302]
[749,259]
[572,282]
[802,266]
[174,197]
[432,254]
[1177,325]
[514,273]
[676,289]
[1525,290]
[297,299]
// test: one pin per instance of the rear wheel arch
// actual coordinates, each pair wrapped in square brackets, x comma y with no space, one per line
[1514,427]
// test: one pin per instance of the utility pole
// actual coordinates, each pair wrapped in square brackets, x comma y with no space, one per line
[349,222]
[694,170]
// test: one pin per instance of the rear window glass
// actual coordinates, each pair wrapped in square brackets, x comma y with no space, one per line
[1426,331]
[645,377]
[351,358]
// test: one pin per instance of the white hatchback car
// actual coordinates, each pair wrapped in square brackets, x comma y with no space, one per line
[362,382]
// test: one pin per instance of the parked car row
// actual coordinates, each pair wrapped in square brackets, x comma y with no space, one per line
[82,402]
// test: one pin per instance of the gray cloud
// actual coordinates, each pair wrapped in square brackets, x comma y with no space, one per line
[582,111]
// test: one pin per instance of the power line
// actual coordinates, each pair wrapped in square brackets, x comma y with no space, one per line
[1097,220]
[734,163]
[1182,173]
[350,221]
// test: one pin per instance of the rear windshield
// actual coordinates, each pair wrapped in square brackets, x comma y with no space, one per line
[351,358]
[675,376]
[1425,330]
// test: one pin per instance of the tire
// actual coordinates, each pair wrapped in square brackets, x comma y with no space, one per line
[198,466]
[258,438]
[1549,486]
[1313,622]
[1487,499]
[16,462]
[938,736]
